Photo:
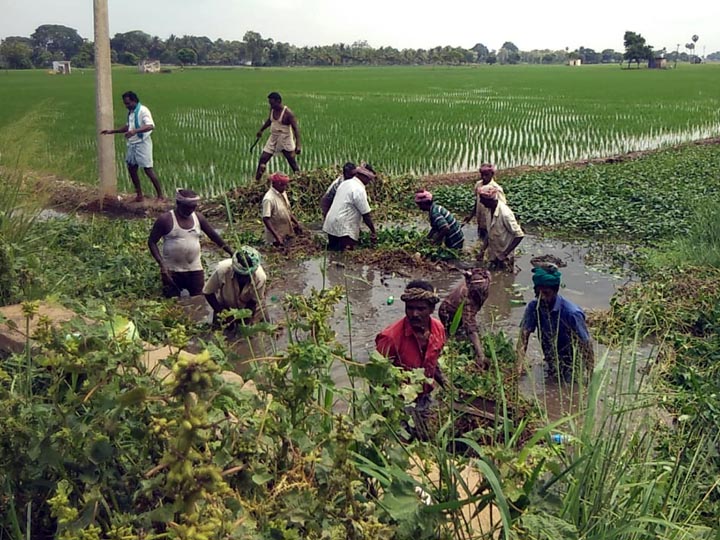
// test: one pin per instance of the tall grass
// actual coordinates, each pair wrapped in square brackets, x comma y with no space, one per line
[700,246]
[22,195]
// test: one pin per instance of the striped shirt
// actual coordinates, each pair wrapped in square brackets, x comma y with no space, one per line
[439,219]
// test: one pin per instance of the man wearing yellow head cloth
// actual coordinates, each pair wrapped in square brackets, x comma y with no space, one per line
[560,325]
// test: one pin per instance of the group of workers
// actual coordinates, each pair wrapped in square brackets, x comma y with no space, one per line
[416,340]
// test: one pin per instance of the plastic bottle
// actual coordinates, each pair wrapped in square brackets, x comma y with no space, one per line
[390,300]
[558,438]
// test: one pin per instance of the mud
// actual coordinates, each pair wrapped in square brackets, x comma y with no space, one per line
[370,289]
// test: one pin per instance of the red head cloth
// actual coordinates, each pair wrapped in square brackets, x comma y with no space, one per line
[488,192]
[367,173]
[423,196]
[280,178]
[487,167]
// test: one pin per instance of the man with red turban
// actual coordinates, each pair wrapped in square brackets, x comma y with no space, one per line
[280,223]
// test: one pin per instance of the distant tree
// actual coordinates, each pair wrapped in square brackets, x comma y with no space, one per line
[16,53]
[491,58]
[85,56]
[257,48]
[713,57]
[128,58]
[187,56]
[56,38]
[481,52]
[156,48]
[136,43]
[279,54]
[510,47]
[636,48]
[610,56]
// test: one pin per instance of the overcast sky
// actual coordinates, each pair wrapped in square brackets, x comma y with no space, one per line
[530,24]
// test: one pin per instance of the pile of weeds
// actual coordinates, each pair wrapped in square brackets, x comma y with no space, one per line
[390,196]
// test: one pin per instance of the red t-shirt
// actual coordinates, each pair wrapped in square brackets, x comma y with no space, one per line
[400,345]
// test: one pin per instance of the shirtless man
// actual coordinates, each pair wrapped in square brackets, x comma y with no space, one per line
[280,121]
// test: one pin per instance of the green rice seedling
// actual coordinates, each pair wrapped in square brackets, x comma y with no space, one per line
[405,119]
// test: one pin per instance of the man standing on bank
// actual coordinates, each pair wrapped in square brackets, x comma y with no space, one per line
[180,231]
[281,121]
[139,143]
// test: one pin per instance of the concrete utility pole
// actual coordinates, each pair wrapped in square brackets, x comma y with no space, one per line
[104,101]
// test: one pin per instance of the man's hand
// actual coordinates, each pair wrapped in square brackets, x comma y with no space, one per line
[106,132]
[299,230]
[258,134]
[482,362]
[298,149]
[467,220]
[130,133]
[373,239]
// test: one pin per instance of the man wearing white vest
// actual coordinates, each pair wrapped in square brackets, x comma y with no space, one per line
[139,143]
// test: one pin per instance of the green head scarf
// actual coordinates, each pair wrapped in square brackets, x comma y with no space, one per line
[546,277]
[245,261]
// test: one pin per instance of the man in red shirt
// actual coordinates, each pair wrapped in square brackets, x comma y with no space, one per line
[416,340]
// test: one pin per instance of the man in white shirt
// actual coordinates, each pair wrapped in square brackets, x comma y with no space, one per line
[327,199]
[350,205]
[139,143]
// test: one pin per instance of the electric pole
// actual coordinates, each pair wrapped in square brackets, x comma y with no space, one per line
[103,101]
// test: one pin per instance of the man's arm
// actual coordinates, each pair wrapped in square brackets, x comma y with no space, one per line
[161,227]
[271,229]
[438,235]
[521,349]
[122,129]
[367,218]
[508,250]
[588,354]
[472,213]
[212,234]
[325,204]
[263,128]
[142,129]
[296,132]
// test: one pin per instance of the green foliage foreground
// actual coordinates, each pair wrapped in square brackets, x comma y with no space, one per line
[93,446]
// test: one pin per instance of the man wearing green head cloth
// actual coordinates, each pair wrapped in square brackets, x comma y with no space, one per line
[560,325]
[237,283]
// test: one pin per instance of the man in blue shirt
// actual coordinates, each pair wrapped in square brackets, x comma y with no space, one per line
[561,328]
[443,225]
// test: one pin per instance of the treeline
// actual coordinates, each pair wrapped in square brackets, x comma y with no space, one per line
[56,42]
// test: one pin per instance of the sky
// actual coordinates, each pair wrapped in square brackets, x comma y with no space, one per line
[530,24]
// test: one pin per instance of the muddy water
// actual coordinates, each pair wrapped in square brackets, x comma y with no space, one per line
[369,291]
